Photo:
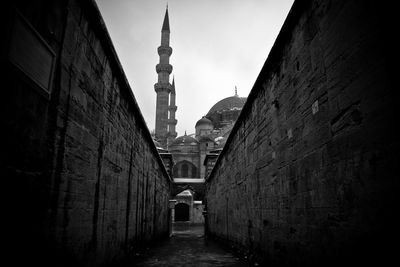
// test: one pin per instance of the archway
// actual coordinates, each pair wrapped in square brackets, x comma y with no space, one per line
[182,212]
[185,169]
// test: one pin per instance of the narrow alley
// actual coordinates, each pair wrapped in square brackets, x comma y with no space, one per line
[301,171]
[188,246]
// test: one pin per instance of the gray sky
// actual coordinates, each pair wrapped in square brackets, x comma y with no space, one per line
[216,44]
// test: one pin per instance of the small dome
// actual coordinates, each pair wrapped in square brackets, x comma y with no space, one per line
[229,103]
[203,121]
[184,140]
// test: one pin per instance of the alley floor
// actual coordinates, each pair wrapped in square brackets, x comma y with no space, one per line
[188,247]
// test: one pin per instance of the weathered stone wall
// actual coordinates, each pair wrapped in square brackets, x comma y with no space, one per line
[198,209]
[84,181]
[307,175]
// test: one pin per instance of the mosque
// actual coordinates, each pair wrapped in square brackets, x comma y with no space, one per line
[211,131]
[188,152]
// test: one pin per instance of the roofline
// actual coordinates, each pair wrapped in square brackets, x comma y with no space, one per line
[189,180]
[209,111]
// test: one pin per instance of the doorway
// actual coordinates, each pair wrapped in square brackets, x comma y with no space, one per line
[182,212]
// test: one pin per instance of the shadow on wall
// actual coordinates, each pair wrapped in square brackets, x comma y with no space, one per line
[308,175]
[86,182]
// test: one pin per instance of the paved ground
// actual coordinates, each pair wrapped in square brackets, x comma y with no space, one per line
[188,247]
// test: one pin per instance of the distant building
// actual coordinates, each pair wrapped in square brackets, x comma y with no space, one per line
[189,158]
[211,132]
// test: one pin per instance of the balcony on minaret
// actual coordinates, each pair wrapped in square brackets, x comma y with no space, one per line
[164,50]
[164,68]
[172,108]
[162,87]
[172,121]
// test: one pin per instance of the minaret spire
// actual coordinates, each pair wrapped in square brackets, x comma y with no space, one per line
[163,87]
[172,109]
[165,26]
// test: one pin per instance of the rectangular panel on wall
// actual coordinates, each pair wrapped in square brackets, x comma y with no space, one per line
[31,54]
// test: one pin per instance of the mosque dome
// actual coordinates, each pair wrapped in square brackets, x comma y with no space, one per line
[229,103]
[203,121]
[184,140]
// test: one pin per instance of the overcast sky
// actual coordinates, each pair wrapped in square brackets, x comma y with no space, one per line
[216,44]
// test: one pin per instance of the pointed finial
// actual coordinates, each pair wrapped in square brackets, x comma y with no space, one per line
[236,91]
[165,26]
[167,5]
[185,133]
[173,85]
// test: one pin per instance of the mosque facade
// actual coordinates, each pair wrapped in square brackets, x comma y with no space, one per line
[211,131]
[186,154]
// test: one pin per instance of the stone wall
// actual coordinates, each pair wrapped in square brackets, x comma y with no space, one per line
[307,175]
[82,179]
[198,209]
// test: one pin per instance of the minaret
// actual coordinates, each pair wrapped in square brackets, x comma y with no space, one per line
[172,109]
[163,87]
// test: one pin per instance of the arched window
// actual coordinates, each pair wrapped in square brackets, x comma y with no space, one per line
[185,170]
[194,172]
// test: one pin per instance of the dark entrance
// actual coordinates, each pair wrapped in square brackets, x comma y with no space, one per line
[181,212]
